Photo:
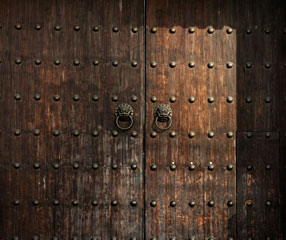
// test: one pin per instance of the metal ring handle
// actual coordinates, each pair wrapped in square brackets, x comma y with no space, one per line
[168,126]
[126,128]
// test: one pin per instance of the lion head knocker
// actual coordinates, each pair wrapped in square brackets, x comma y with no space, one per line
[163,113]
[124,113]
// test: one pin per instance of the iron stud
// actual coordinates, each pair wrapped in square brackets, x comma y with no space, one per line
[17,132]
[75,165]
[153,134]
[173,204]
[230,203]
[229,31]
[211,203]
[172,99]
[192,203]
[172,134]
[95,98]
[115,29]
[172,30]
[229,167]
[95,133]
[17,96]
[229,99]
[210,65]
[192,166]
[154,30]
[114,203]
[57,97]
[191,64]
[153,203]
[134,134]
[38,27]
[36,165]
[76,28]
[95,166]
[134,29]
[16,165]
[210,134]
[56,133]
[153,99]
[192,30]
[96,28]
[95,62]
[133,203]
[210,30]
[94,203]
[38,62]
[134,98]
[153,64]
[153,167]
[114,133]
[37,96]
[192,99]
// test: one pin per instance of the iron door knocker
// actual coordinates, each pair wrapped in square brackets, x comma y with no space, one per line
[163,113]
[124,113]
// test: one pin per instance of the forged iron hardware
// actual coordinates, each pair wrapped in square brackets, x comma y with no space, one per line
[268,134]
[268,167]
[75,133]
[17,132]
[114,133]
[114,166]
[133,134]
[267,65]
[211,203]
[16,165]
[124,112]
[57,27]
[210,30]
[229,167]
[36,165]
[114,98]
[134,63]
[192,99]
[163,113]
[18,61]
[229,65]
[249,203]
[153,99]
[192,203]
[94,203]
[210,134]
[133,203]
[248,99]
[172,64]
[36,202]
[191,134]
[18,26]
[249,167]
[38,62]
[115,29]
[95,166]
[16,202]
[56,202]
[57,62]
[267,30]
[95,62]
[75,202]
[153,64]
[229,134]
[115,63]
[113,202]
[172,134]
[76,28]
[210,99]
[94,133]
[268,99]
[133,166]
[153,134]
[173,166]
[134,29]
[172,30]
[172,99]
[248,31]
[192,30]
[95,98]
[17,96]
[210,166]
[76,62]
[248,134]
[192,166]
[56,133]
[38,27]
[153,203]
[154,30]
[57,98]
[75,165]
[133,98]
[230,203]
[248,65]
[229,31]
[56,165]
[153,167]
[229,99]
[96,28]
[37,96]
[173,203]
[210,65]
[268,203]
[191,64]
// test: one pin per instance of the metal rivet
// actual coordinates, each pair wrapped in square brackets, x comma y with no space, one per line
[230,203]
[133,166]
[36,202]
[210,166]
[229,99]
[114,203]
[153,203]
[38,62]
[192,166]
[75,165]
[210,65]
[134,29]
[95,133]
[229,134]
[17,132]
[16,202]
[172,64]
[56,133]
[229,65]
[268,167]
[192,30]
[115,29]
[95,62]
[153,64]
[154,30]
[134,63]
[17,96]
[267,30]
[210,99]
[210,30]
[36,165]
[18,26]
[38,27]
[57,97]
[268,99]
[192,203]
[114,133]
[248,65]
[114,98]
[76,62]
[153,167]
[37,96]
[76,28]
[267,65]
[115,63]
[57,62]
[248,31]
[268,134]
[94,203]
[133,203]
[95,166]
[268,203]
[153,99]
[114,166]
[172,99]
[210,134]
[249,167]
[56,202]
[248,99]
[56,165]
[172,134]
[249,203]
[75,202]
[133,98]
[57,27]
[192,99]
[172,30]
[75,98]
[95,98]
[191,64]
[191,134]
[172,203]
[173,166]
[229,31]
[16,165]
[96,28]
[134,134]
[229,167]
[153,134]
[211,203]
[18,60]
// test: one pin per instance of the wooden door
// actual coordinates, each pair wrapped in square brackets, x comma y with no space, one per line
[142,119]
